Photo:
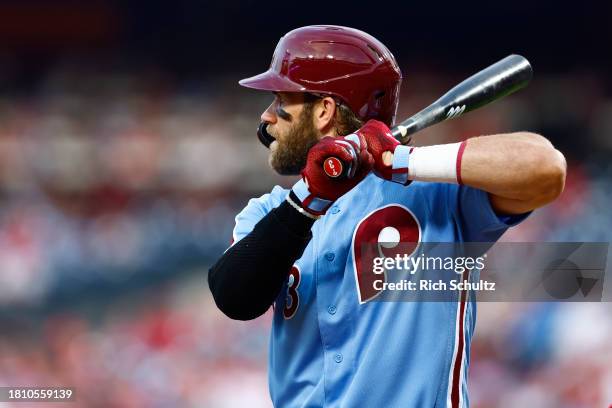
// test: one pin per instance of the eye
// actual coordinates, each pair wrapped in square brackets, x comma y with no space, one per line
[278,109]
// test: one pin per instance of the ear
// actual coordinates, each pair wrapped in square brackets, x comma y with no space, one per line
[323,116]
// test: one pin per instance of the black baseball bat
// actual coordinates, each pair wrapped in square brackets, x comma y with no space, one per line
[494,82]
[506,76]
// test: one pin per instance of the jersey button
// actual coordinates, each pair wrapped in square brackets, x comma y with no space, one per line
[330,256]
[335,210]
[338,358]
[331,310]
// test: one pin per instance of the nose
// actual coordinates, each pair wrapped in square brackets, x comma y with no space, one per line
[268,115]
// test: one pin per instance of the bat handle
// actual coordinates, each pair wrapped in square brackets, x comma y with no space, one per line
[403,131]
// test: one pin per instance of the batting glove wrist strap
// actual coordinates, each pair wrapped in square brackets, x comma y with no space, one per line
[301,197]
[400,165]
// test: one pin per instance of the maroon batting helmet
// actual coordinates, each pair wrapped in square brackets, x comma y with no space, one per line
[340,61]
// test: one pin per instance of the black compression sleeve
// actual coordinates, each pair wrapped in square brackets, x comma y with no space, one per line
[248,276]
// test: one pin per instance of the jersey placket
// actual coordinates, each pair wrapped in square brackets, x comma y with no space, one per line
[333,312]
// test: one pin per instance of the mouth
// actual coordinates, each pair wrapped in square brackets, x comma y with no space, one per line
[264,137]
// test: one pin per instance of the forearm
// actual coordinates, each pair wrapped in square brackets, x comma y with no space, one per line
[517,166]
[246,280]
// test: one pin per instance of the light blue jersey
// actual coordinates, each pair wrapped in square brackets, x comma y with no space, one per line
[331,346]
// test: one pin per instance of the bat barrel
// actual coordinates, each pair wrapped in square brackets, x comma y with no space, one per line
[496,81]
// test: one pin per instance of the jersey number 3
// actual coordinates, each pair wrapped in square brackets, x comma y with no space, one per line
[293,298]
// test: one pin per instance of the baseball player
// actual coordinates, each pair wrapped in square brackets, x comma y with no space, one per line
[336,91]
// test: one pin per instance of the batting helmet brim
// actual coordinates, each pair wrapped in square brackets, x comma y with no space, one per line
[271,81]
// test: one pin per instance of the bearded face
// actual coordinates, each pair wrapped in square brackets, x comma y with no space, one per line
[289,151]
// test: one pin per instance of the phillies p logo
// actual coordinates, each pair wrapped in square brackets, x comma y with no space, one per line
[384,232]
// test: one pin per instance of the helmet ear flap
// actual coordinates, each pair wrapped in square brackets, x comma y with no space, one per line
[377,100]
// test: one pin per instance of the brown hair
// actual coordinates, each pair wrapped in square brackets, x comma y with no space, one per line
[346,121]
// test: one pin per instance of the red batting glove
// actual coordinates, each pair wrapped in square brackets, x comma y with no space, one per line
[318,188]
[379,140]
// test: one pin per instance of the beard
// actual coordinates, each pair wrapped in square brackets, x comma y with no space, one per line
[288,157]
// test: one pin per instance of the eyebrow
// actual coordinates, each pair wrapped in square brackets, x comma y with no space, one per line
[283,114]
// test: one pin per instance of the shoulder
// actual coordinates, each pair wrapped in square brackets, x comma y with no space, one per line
[265,203]
[432,193]
[447,191]
[430,188]
[256,209]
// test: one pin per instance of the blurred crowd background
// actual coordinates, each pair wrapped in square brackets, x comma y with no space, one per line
[127,148]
